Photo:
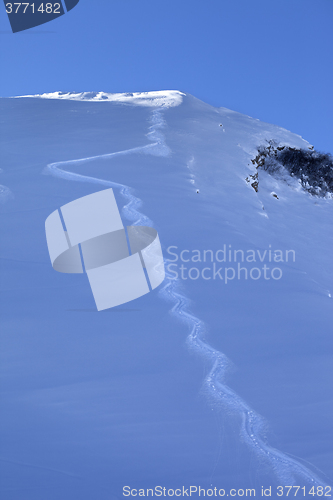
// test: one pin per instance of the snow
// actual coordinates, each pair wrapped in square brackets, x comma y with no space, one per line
[200,382]
[168,98]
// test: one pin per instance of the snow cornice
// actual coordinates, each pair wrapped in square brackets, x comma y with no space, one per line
[159,98]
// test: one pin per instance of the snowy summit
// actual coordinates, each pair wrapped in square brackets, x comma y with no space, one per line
[219,378]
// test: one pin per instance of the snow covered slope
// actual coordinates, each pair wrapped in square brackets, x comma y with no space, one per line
[221,378]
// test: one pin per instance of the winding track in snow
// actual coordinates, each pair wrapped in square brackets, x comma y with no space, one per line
[288,470]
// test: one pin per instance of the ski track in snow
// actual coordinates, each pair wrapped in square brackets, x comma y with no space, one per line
[288,470]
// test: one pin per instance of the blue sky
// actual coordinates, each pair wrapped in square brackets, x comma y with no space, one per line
[270,60]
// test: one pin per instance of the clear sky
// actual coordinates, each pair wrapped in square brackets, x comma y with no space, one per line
[269,59]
